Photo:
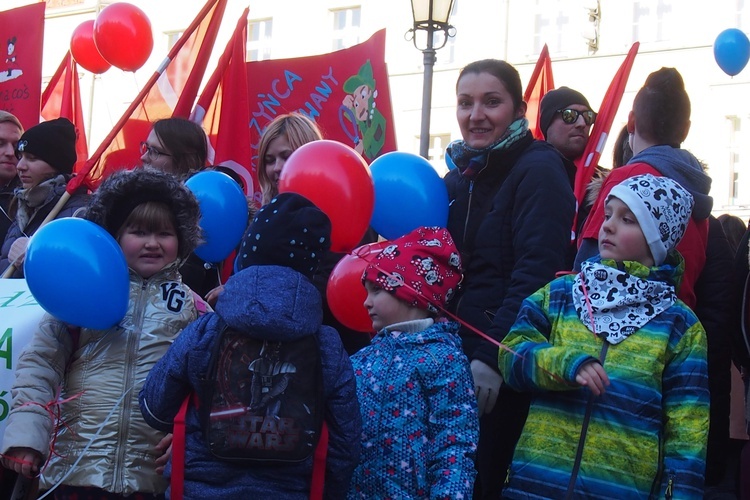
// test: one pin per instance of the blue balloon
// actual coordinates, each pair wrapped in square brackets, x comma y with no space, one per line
[224,213]
[77,272]
[409,193]
[732,51]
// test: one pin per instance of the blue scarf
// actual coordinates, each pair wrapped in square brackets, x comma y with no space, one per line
[470,161]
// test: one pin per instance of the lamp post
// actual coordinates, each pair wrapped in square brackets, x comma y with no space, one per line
[430,16]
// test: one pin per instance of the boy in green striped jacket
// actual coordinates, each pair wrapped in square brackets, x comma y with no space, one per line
[616,362]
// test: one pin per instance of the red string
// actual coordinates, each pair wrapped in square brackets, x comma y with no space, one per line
[362,253]
[54,410]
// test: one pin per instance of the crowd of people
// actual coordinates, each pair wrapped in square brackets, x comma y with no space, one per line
[507,360]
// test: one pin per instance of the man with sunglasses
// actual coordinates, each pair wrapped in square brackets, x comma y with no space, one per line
[565,121]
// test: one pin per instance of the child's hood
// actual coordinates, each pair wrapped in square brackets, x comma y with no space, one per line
[440,331]
[271,302]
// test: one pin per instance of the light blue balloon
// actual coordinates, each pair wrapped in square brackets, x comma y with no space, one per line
[78,273]
[409,194]
[732,51]
[224,214]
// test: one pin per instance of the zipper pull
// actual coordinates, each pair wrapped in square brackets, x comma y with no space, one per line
[670,484]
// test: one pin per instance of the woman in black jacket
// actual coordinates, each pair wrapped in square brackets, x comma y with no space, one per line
[511,213]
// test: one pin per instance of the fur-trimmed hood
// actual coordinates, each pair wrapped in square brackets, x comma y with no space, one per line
[126,189]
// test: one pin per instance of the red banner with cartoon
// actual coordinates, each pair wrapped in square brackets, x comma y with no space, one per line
[345,92]
[22,34]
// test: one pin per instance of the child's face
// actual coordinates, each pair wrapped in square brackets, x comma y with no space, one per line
[385,309]
[621,237]
[147,252]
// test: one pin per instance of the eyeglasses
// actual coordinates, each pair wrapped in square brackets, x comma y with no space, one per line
[571,115]
[151,151]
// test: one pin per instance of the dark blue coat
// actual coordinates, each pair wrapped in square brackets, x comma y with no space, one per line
[512,224]
[267,302]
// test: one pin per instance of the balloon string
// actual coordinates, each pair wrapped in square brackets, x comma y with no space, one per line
[54,411]
[362,255]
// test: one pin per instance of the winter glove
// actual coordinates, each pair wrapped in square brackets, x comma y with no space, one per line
[486,385]
[17,252]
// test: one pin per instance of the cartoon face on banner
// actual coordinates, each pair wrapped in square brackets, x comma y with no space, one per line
[21,32]
[345,92]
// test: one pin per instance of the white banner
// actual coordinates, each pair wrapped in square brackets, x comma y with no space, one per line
[19,316]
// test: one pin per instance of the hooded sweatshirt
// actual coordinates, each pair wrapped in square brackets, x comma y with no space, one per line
[683,167]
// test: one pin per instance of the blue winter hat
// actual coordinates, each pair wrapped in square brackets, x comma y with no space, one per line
[289,231]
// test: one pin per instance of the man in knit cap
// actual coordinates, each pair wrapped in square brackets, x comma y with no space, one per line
[565,121]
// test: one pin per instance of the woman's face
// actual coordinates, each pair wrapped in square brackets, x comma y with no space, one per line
[156,155]
[484,109]
[276,155]
[32,171]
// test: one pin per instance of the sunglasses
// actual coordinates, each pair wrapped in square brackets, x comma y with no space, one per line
[571,115]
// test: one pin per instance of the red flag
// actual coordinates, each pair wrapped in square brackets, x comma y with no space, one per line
[224,110]
[345,92]
[22,35]
[170,91]
[62,98]
[540,83]
[586,164]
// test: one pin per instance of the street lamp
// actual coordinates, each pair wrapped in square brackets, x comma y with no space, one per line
[430,16]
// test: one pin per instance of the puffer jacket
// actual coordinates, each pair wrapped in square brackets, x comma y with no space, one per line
[268,303]
[419,412]
[76,202]
[104,374]
[644,436]
[512,224]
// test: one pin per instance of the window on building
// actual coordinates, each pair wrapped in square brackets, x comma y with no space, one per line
[259,36]
[735,159]
[346,27]
[446,55]
[651,20]
[552,25]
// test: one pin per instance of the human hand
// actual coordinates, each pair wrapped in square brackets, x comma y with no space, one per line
[348,101]
[213,295]
[17,252]
[592,375]
[164,448]
[486,385]
[24,461]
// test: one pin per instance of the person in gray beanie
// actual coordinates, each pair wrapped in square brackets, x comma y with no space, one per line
[565,121]
[46,156]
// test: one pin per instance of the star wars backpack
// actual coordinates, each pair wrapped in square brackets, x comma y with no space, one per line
[264,400]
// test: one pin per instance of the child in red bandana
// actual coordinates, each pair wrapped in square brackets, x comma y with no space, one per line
[419,412]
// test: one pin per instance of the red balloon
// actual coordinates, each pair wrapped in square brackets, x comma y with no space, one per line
[84,51]
[345,293]
[337,179]
[122,34]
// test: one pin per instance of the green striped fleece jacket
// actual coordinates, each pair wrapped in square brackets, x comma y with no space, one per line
[645,437]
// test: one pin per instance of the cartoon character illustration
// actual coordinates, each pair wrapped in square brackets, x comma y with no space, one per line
[361,102]
[11,61]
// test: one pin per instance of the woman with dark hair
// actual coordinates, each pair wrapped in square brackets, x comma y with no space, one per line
[180,147]
[511,210]
[175,145]
[657,125]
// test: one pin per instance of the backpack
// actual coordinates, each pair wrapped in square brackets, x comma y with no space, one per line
[262,400]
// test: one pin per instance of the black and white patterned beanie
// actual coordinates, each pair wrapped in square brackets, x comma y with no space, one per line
[289,231]
[662,208]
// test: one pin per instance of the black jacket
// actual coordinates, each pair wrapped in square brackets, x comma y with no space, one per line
[512,224]
[715,310]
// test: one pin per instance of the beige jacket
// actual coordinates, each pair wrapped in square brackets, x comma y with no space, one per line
[104,376]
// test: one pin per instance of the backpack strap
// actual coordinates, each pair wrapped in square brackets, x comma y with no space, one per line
[317,486]
[178,451]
